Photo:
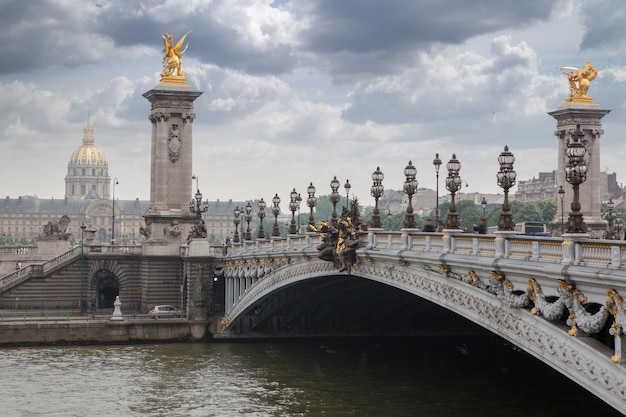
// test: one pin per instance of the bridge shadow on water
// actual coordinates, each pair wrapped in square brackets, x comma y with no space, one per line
[345,305]
[427,375]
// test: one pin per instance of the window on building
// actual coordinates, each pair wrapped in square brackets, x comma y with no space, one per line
[82,189]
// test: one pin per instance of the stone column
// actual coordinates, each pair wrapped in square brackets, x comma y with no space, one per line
[168,218]
[588,116]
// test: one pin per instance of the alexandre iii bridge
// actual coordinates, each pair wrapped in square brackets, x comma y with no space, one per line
[559,299]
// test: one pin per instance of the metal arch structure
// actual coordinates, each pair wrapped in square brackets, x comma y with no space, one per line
[516,287]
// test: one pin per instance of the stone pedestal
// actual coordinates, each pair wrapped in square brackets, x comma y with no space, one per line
[199,247]
[48,249]
[588,116]
[168,218]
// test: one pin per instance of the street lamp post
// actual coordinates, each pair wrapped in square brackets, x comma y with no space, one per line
[437,164]
[347,187]
[506,179]
[115,182]
[299,202]
[236,221]
[293,206]
[261,215]
[248,219]
[334,198]
[576,174]
[276,212]
[377,192]
[562,196]
[197,206]
[311,201]
[82,268]
[453,184]
[410,187]
[483,203]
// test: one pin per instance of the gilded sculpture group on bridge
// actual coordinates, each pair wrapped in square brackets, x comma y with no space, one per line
[340,240]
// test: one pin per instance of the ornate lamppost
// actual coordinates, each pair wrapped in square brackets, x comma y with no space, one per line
[261,215]
[576,174]
[377,192]
[293,206]
[453,184]
[347,187]
[437,164]
[334,198]
[198,206]
[248,219]
[483,204]
[299,201]
[410,187]
[82,267]
[562,196]
[311,201]
[276,212]
[115,182]
[198,231]
[236,221]
[506,179]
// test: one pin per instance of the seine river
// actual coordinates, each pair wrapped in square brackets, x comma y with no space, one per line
[430,376]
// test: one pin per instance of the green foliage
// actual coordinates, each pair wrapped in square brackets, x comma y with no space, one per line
[470,213]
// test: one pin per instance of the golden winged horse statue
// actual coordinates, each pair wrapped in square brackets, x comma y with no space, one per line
[172,58]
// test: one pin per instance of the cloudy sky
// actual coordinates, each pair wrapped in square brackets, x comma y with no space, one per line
[298,91]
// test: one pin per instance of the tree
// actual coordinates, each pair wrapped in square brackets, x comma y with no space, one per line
[470,213]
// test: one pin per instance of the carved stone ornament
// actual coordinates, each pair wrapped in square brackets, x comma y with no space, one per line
[174,142]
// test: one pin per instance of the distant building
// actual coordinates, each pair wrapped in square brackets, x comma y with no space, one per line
[544,188]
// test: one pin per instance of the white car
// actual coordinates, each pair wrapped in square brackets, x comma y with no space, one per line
[165,311]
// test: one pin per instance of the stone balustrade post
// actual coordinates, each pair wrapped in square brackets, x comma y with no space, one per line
[372,238]
[449,239]
[503,243]
[572,251]
[616,257]
[309,239]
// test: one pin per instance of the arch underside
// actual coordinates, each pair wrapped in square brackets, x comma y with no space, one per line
[311,298]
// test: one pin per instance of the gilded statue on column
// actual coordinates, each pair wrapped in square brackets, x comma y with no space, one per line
[172,59]
[579,80]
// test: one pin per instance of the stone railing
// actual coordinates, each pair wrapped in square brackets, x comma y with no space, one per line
[17,250]
[112,249]
[574,250]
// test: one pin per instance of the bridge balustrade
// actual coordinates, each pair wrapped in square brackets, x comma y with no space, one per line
[17,250]
[610,253]
[112,249]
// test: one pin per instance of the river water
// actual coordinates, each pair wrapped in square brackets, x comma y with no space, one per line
[429,376]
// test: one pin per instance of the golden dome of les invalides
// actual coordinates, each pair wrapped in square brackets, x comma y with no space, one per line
[88,154]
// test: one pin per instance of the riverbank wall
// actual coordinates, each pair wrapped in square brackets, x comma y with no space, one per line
[73,331]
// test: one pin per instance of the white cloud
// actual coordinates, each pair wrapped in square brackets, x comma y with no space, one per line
[300,91]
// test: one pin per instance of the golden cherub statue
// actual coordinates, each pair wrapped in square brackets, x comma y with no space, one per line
[579,80]
[172,59]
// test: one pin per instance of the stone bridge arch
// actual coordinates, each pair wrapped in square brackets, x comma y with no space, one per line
[499,308]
